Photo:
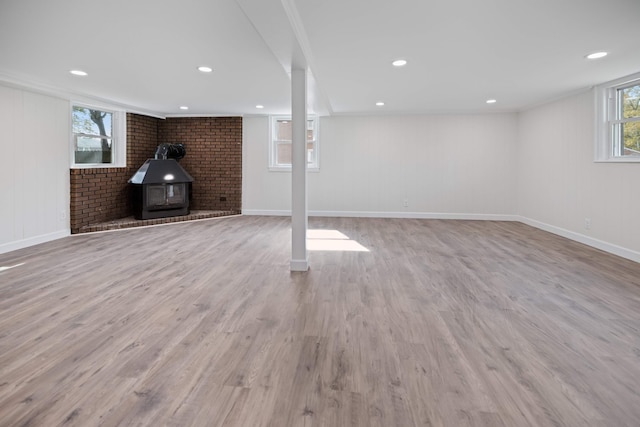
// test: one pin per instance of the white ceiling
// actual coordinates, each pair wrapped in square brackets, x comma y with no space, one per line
[143,54]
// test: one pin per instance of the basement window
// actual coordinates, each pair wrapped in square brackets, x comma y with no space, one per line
[280,151]
[98,137]
[618,120]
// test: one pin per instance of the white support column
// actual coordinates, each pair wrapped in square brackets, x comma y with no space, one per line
[299,261]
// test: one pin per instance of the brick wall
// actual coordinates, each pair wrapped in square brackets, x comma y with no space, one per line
[97,195]
[214,159]
[142,140]
[100,195]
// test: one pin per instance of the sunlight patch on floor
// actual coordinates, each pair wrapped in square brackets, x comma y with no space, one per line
[9,267]
[332,240]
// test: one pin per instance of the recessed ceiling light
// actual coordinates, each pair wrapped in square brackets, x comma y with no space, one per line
[491,101]
[380,103]
[399,63]
[205,69]
[597,55]
[184,107]
[78,73]
[259,106]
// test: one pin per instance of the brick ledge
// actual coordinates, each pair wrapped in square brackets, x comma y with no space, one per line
[130,222]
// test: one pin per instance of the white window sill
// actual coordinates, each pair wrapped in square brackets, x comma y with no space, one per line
[96,166]
[618,160]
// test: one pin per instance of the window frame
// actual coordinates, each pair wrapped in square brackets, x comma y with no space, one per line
[274,166]
[608,120]
[118,137]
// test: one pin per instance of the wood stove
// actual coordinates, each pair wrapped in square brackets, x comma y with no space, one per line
[161,188]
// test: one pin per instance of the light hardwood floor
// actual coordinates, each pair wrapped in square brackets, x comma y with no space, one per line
[440,323]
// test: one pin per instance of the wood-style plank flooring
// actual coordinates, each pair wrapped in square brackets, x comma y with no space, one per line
[440,323]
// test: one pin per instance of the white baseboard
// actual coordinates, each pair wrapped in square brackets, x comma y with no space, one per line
[362,214]
[581,238]
[263,212]
[415,215]
[20,244]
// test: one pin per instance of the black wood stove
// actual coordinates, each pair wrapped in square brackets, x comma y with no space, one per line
[161,187]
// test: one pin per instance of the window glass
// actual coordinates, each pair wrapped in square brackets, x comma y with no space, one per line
[618,120]
[98,138]
[280,150]
[284,130]
[630,109]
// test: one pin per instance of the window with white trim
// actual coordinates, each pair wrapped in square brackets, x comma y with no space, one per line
[280,143]
[98,137]
[618,115]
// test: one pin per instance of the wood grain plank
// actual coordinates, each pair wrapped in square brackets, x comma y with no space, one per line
[440,323]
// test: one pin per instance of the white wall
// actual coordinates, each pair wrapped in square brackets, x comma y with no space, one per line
[444,166]
[34,168]
[560,185]
[261,190]
[537,166]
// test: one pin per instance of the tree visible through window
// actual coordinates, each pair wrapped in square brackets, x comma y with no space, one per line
[629,98]
[618,120]
[93,135]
